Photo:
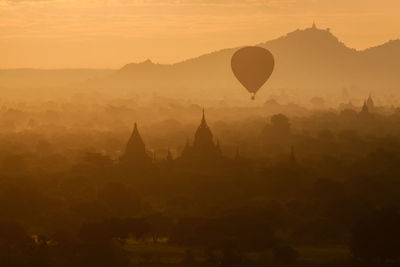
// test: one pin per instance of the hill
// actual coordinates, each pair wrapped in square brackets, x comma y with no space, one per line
[308,62]
[312,61]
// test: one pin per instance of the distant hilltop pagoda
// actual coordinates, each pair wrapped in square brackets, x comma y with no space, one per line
[314,26]
[203,146]
[135,154]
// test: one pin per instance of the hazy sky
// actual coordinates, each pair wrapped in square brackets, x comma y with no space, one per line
[111,33]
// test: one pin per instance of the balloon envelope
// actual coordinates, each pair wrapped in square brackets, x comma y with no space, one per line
[252,66]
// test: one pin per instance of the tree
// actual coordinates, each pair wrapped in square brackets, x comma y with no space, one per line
[376,236]
[278,128]
[280,124]
[160,225]
[189,259]
[120,199]
[99,244]
[16,246]
[285,255]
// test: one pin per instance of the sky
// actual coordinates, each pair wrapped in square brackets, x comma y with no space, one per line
[111,33]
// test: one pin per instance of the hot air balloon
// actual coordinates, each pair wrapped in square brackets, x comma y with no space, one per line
[252,66]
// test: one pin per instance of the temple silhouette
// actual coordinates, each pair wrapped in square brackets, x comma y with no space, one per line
[368,106]
[370,103]
[203,150]
[135,154]
[365,109]
[203,145]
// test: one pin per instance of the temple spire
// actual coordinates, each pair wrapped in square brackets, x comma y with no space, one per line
[370,103]
[203,120]
[365,108]
[135,129]
[135,151]
[203,144]
[135,141]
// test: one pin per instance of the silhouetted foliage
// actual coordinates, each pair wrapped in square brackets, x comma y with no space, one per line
[285,256]
[376,236]
[274,189]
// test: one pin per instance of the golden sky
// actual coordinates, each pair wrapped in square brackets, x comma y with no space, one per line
[111,33]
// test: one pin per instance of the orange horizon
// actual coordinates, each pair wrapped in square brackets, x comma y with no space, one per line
[61,34]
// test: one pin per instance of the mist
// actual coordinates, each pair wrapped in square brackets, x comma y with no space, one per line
[178,164]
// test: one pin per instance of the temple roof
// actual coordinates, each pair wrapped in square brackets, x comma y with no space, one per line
[135,149]
[203,136]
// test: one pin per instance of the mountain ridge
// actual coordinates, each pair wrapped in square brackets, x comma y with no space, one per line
[310,60]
